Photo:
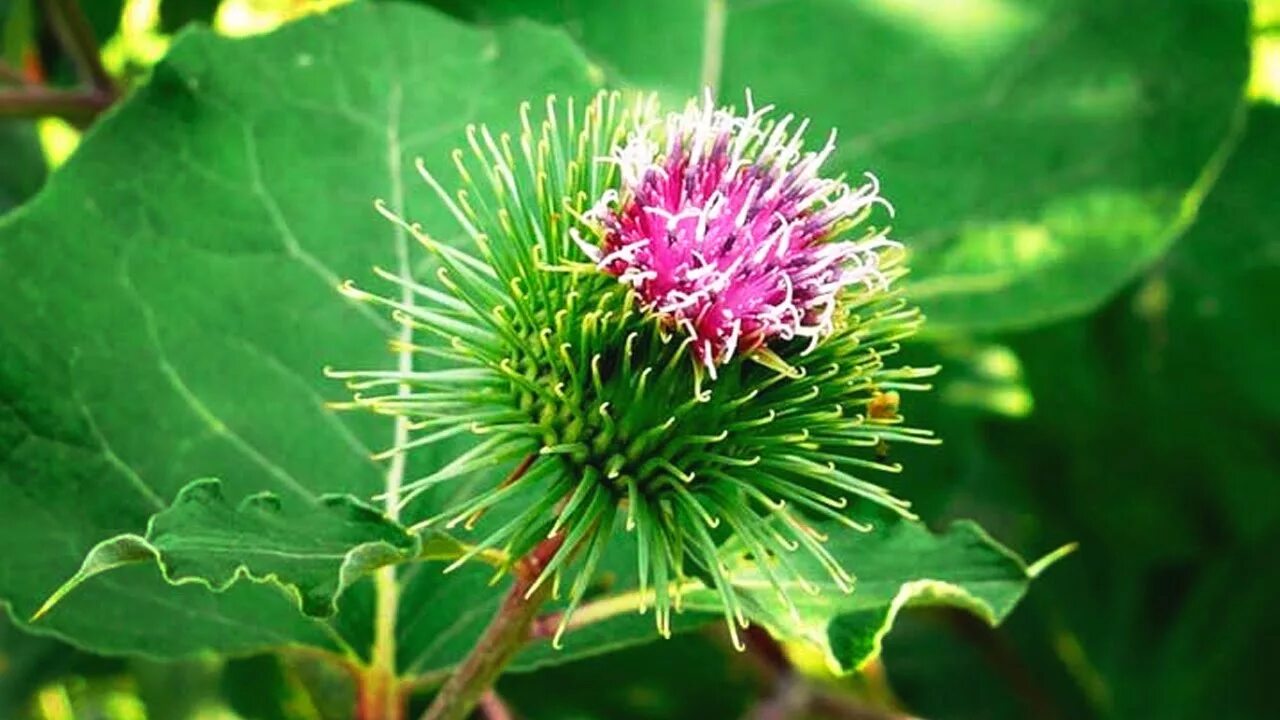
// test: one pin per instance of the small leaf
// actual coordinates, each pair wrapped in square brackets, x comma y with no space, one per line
[900,563]
[315,552]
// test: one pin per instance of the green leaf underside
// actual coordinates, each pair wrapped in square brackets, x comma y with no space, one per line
[200,232]
[312,551]
[1039,154]
[898,564]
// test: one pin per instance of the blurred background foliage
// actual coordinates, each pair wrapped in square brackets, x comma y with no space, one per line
[1145,426]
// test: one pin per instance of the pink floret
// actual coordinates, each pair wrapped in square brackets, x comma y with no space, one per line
[730,234]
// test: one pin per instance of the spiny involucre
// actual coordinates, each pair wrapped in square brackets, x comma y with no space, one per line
[674,325]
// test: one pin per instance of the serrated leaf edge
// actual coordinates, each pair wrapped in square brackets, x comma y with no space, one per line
[131,548]
[927,592]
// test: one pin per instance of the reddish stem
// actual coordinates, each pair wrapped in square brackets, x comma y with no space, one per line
[37,100]
[507,633]
[493,708]
[377,696]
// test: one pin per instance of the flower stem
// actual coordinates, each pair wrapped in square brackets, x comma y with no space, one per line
[506,634]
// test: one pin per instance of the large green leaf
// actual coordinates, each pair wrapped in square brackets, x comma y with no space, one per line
[1172,390]
[898,564]
[314,552]
[657,44]
[1040,154]
[1152,443]
[1161,439]
[171,301]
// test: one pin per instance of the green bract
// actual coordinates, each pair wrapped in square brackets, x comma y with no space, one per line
[558,368]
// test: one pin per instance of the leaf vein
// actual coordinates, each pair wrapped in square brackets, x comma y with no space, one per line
[176,382]
[285,232]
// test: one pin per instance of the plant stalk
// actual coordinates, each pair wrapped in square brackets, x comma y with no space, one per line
[76,37]
[380,692]
[506,634]
[37,101]
[493,708]
[79,105]
[378,695]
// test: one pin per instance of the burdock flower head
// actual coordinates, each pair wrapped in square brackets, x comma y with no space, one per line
[728,233]
[675,326]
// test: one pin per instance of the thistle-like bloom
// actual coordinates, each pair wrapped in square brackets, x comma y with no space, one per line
[617,256]
[728,232]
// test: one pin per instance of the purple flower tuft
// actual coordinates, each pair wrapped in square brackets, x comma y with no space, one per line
[726,230]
